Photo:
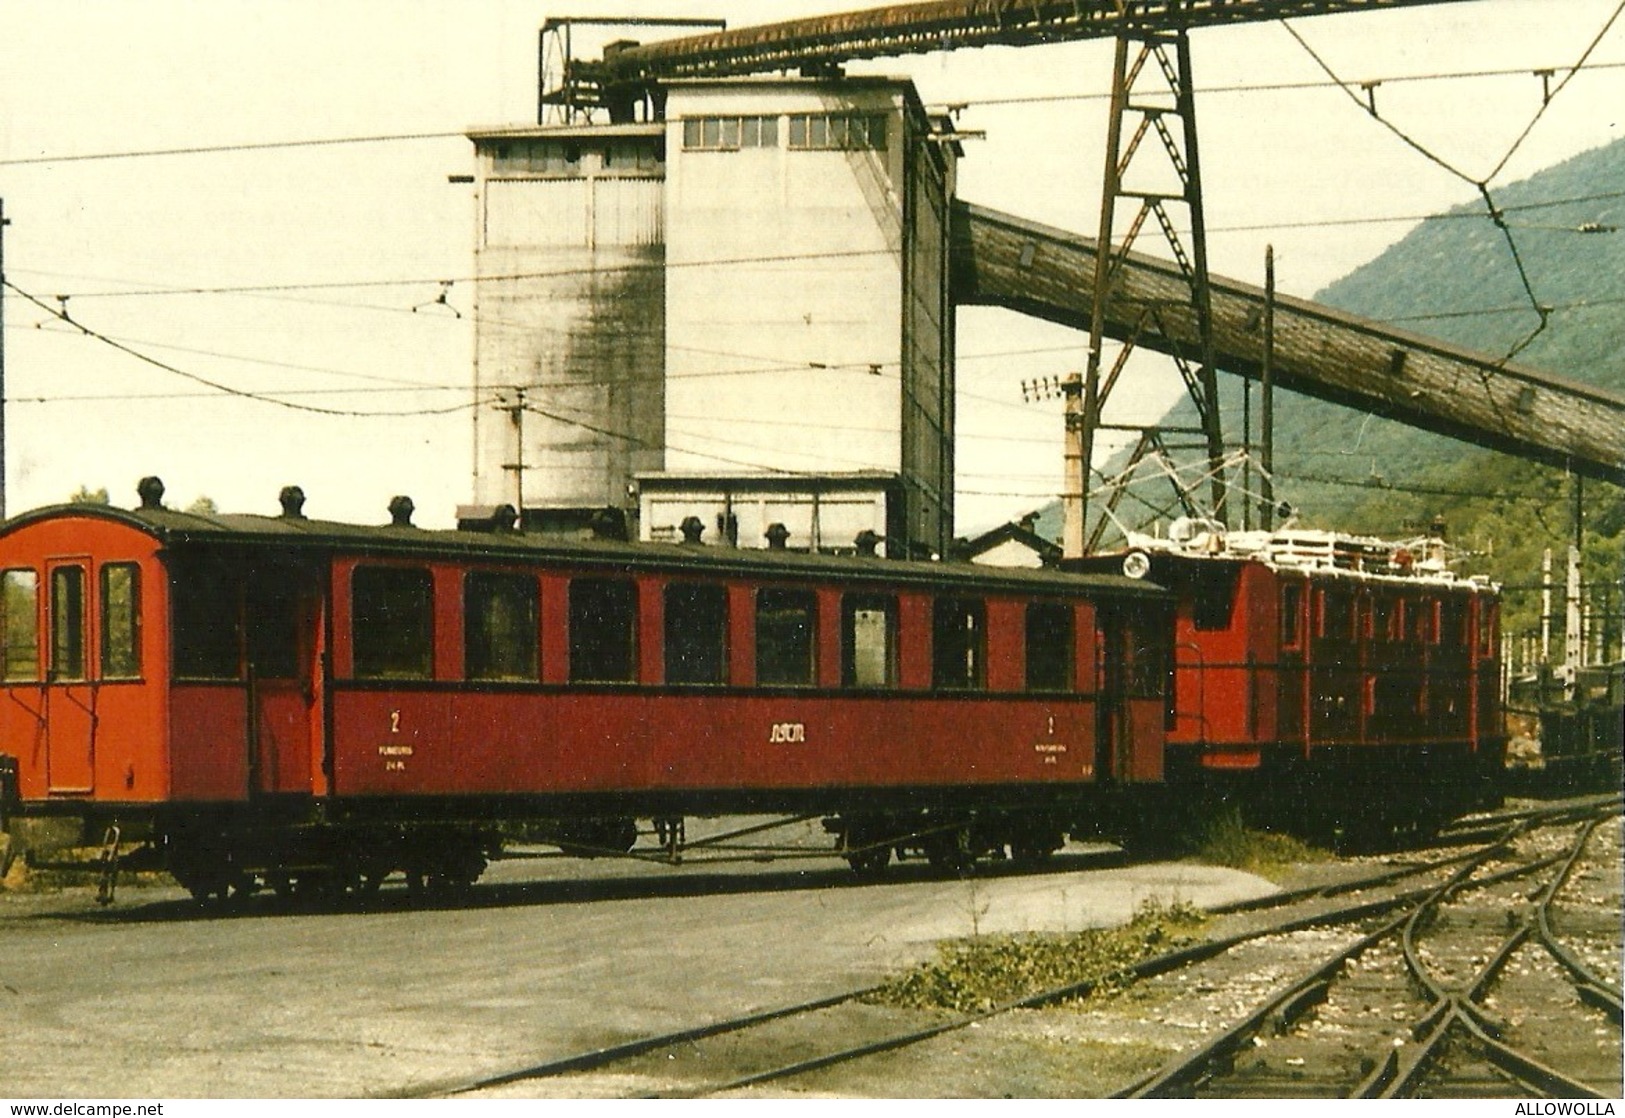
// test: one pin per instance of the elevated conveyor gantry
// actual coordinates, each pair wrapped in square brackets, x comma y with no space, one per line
[820,43]
[1005,261]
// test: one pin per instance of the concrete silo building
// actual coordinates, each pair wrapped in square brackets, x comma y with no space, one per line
[738,313]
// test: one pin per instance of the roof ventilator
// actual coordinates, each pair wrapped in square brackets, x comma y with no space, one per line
[692,528]
[867,542]
[400,511]
[777,534]
[151,492]
[293,502]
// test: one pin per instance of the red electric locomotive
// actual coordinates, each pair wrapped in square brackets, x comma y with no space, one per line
[283,701]
[1332,684]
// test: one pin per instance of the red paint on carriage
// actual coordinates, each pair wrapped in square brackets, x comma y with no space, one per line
[216,677]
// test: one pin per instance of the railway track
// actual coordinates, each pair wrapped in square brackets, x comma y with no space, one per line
[771,1046]
[1457,994]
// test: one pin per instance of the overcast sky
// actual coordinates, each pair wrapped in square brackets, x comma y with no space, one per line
[354,239]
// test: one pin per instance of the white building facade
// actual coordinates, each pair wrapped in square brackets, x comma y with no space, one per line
[740,313]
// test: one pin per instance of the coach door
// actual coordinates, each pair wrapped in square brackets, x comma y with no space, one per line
[1112,724]
[281,613]
[70,696]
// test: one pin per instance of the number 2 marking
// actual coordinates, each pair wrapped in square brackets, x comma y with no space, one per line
[394,721]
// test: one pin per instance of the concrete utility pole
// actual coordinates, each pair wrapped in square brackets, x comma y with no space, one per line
[516,417]
[1546,606]
[1073,484]
[1266,418]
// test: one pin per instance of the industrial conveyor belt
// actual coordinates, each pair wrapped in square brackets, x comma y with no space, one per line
[1005,261]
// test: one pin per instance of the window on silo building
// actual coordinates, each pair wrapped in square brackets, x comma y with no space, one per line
[838,132]
[730,133]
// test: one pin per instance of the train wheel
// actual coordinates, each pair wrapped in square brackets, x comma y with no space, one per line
[1033,848]
[949,852]
[871,862]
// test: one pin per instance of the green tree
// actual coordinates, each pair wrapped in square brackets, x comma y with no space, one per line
[85,495]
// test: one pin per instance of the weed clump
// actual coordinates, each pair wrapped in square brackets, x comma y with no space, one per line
[1227,841]
[972,975]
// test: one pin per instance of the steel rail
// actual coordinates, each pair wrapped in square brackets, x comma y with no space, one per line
[1398,1073]
[1146,968]
[599,1057]
[1290,1002]
[1587,983]
[1546,816]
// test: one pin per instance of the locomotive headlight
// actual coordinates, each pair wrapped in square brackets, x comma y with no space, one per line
[1136,564]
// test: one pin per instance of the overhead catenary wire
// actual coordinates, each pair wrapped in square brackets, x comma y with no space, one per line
[1482,185]
[235,147]
[229,390]
[279,287]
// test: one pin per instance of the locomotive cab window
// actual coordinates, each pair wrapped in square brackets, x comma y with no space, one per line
[500,633]
[68,623]
[1334,615]
[1384,618]
[1420,613]
[121,621]
[1214,596]
[19,600]
[696,633]
[603,630]
[1050,647]
[1291,615]
[786,631]
[1453,622]
[392,622]
[958,644]
[1489,616]
[869,641]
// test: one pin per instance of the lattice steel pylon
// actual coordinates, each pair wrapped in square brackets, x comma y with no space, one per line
[1151,83]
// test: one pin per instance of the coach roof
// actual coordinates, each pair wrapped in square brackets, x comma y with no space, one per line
[186,530]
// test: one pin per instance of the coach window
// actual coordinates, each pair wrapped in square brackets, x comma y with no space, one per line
[696,633]
[392,622]
[786,634]
[68,623]
[869,641]
[958,644]
[205,621]
[272,607]
[603,630]
[499,626]
[1148,651]
[1050,644]
[121,621]
[1291,612]
[19,600]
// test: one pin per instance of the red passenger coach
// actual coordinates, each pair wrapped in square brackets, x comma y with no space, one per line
[282,701]
[1334,681]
